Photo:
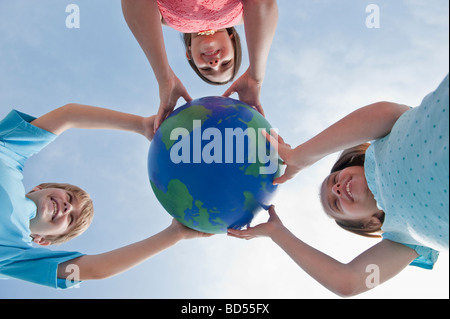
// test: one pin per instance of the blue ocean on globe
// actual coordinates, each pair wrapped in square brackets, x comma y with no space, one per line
[210,167]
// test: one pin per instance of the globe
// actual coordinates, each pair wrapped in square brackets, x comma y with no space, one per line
[210,167]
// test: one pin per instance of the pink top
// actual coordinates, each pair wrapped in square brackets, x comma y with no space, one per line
[189,16]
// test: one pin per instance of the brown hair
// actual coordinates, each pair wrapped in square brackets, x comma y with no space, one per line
[237,55]
[86,215]
[354,156]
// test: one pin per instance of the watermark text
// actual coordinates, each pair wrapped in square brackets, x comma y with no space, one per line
[230,148]
[73,19]
[373,19]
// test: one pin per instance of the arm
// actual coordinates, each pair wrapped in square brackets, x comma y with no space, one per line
[261,17]
[343,279]
[144,20]
[365,124]
[90,117]
[119,260]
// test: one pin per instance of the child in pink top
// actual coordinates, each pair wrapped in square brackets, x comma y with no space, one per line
[201,15]
[212,44]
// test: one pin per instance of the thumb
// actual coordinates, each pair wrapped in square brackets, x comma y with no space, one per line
[159,118]
[272,212]
[282,179]
[273,216]
[157,123]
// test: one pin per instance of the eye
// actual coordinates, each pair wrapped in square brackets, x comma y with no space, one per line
[225,63]
[70,197]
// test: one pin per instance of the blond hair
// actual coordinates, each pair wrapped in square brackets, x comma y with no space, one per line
[86,215]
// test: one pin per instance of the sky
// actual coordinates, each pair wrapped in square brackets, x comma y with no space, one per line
[324,63]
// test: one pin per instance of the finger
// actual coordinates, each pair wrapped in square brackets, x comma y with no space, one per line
[235,232]
[278,137]
[157,124]
[160,117]
[260,109]
[246,237]
[271,139]
[229,234]
[206,235]
[272,212]
[186,96]
[230,91]
[282,179]
[239,233]
[275,134]
[277,143]
[273,216]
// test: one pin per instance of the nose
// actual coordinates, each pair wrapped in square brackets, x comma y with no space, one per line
[67,208]
[336,189]
[213,62]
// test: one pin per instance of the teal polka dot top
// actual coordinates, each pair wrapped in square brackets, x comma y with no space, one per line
[408,173]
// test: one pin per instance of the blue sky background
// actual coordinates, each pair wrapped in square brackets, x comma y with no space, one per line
[324,63]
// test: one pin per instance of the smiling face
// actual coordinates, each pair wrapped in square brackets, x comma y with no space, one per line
[345,195]
[56,214]
[213,55]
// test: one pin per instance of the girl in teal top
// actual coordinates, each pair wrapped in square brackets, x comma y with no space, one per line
[398,187]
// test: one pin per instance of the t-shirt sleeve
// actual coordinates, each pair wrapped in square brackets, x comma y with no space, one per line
[19,139]
[427,257]
[39,266]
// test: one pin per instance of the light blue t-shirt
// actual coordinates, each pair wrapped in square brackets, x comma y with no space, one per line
[408,173]
[18,258]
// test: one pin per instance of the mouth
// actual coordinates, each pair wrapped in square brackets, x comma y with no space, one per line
[55,208]
[348,189]
[211,53]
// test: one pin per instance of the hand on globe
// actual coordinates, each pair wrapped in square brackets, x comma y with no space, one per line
[286,153]
[267,229]
[148,127]
[184,232]
[248,91]
[169,93]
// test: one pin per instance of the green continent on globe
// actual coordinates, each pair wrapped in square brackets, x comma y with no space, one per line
[206,220]
[250,202]
[175,189]
[183,119]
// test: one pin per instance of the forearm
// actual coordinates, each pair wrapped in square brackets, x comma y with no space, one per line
[144,20]
[329,272]
[119,260]
[374,266]
[365,124]
[260,21]
[88,117]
